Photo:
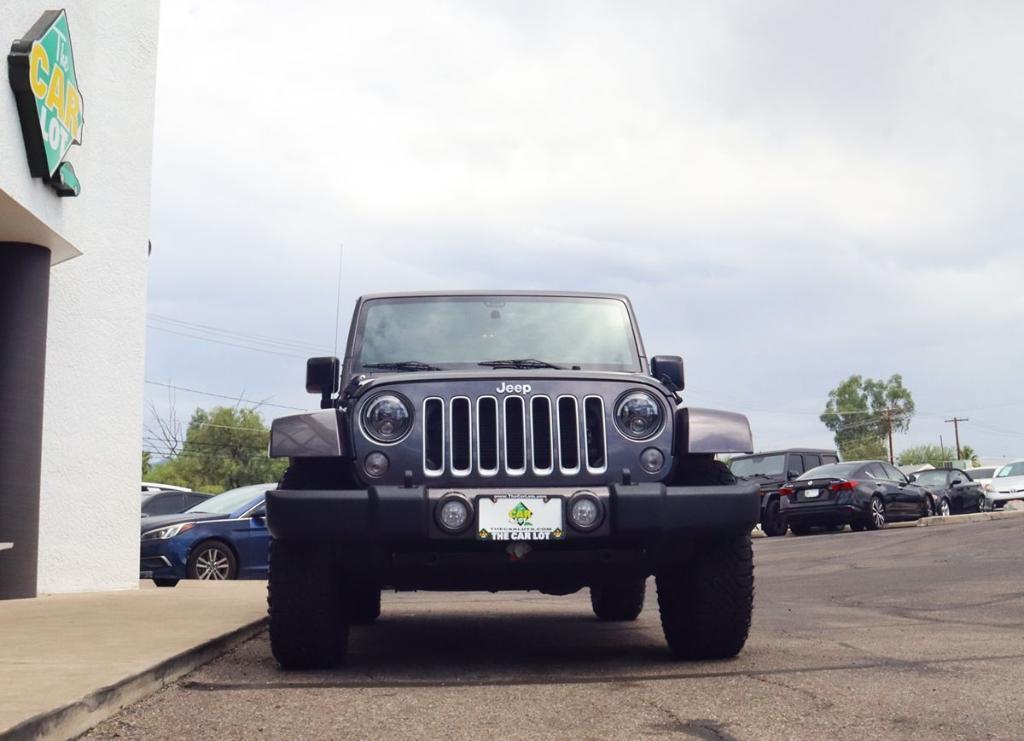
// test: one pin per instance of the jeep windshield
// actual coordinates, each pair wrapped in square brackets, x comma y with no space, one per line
[499,332]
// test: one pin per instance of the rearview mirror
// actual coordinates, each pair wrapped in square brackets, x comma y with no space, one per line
[323,376]
[669,370]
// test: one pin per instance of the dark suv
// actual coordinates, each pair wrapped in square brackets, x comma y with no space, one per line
[494,441]
[773,469]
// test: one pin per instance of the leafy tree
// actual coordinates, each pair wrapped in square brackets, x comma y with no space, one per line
[858,412]
[224,448]
[864,450]
[935,455]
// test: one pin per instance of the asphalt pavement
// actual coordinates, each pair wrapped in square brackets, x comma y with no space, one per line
[904,633]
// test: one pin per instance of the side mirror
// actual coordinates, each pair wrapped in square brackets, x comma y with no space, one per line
[792,475]
[669,370]
[323,376]
[955,482]
[912,478]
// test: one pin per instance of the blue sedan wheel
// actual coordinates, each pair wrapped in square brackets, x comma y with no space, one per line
[212,561]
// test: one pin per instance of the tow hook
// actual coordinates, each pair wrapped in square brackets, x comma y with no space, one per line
[517,551]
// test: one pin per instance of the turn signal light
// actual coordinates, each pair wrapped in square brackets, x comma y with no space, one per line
[843,486]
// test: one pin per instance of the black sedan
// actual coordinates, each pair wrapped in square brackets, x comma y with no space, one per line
[862,494]
[953,491]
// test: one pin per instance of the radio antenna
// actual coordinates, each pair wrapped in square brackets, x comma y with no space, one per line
[337,305]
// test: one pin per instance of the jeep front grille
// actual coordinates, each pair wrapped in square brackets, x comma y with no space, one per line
[514,436]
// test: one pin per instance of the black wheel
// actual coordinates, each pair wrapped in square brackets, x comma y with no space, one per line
[800,528]
[308,623]
[212,560]
[943,510]
[876,514]
[364,603]
[981,502]
[166,582]
[857,526]
[706,605]
[621,600]
[772,521]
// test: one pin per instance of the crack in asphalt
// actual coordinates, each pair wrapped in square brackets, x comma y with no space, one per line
[905,664]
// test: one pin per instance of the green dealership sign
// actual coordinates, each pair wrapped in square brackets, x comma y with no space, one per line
[41,69]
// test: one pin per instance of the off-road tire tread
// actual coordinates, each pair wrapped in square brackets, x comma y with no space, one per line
[619,601]
[308,625]
[707,604]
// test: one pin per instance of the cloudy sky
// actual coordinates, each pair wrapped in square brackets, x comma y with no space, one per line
[790,192]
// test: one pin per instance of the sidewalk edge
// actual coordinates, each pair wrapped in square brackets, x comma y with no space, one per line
[75,718]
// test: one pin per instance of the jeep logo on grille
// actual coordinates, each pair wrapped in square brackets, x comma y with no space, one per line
[514,388]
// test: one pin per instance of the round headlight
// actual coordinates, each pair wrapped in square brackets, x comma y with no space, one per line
[387,418]
[453,514]
[638,415]
[585,511]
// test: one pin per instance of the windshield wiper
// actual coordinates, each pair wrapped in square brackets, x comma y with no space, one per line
[520,363]
[403,365]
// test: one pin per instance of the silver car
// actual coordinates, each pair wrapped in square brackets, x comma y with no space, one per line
[1006,484]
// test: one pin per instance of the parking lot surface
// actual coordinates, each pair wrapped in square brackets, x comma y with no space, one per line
[903,633]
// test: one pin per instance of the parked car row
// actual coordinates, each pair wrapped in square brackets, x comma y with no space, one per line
[223,537]
[866,494]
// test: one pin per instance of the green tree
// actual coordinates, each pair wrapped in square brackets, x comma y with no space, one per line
[147,464]
[935,455]
[858,411]
[224,448]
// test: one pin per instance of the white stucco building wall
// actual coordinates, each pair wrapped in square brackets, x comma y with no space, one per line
[89,499]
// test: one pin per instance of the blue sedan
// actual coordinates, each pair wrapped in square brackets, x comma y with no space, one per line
[224,537]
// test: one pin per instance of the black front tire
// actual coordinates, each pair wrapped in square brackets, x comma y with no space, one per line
[171,582]
[772,522]
[308,622]
[706,604]
[800,528]
[876,514]
[364,604]
[212,560]
[619,601]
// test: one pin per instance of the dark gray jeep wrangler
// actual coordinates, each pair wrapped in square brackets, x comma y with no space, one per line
[513,440]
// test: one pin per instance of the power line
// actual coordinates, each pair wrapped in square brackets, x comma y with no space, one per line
[236,334]
[223,396]
[224,342]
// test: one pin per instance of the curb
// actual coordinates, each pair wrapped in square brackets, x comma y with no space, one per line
[74,719]
[965,519]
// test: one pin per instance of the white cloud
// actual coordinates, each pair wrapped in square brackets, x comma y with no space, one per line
[762,179]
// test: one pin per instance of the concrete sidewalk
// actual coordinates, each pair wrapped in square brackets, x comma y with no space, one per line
[69,661]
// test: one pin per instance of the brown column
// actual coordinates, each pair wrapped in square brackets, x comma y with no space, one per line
[24,293]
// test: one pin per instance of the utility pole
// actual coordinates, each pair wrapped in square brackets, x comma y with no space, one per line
[956,431]
[888,421]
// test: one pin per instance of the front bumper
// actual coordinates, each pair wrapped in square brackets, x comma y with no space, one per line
[399,515]
[162,559]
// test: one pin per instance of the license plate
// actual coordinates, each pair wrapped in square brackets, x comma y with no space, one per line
[811,493]
[507,517]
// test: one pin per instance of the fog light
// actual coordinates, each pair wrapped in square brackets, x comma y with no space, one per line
[376,465]
[585,511]
[651,460]
[453,514]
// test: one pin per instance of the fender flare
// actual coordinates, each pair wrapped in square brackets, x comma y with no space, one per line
[703,431]
[307,435]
